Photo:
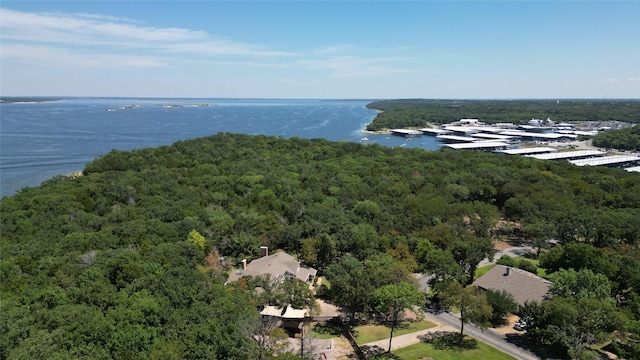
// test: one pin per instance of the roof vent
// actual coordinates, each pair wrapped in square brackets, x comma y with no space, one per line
[507,272]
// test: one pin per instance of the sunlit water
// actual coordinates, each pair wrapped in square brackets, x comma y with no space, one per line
[41,140]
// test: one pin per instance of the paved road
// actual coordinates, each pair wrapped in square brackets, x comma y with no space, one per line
[490,337]
[512,252]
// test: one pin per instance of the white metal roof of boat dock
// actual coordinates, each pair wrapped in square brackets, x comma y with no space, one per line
[433,131]
[461,129]
[478,145]
[406,132]
[492,136]
[537,135]
[577,132]
[567,154]
[531,150]
[605,160]
[473,129]
[456,138]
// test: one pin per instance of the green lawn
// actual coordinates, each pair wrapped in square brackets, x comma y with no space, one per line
[483,270]
[418,351]
[368,333]
[542,273]
[539,271]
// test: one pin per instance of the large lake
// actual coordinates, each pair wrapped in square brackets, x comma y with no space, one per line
[41,140]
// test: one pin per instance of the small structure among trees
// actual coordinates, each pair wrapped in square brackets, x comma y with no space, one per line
[291,319]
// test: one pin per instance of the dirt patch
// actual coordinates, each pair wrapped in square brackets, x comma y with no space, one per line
[501,245]
[508,327]
[341,350]
[326,309]
[410,315]
[333,349]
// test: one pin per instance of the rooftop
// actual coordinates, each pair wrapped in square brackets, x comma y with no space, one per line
[434,131]
[568,155]
[606,160]
[531,150]
[478,145]
[455,138]
[492,136]
[406,132]
[279,265]
[523,285]
[526,134]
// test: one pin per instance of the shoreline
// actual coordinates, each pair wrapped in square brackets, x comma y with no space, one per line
[387,131]
[379,132]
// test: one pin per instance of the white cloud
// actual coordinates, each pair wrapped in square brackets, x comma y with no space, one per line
[107,18]
[223,47]
[88,40]
[340,48]
[85,30]
[85,40]
[630,79]
[355,66]
[62,58]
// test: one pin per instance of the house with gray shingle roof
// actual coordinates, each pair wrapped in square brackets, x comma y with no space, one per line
[523,285]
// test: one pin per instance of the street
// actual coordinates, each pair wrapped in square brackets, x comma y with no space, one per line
[488,336]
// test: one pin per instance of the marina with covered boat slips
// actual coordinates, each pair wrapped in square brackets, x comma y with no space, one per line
[469,134]
[470,130]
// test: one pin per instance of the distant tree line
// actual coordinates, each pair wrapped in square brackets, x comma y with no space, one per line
[16,99]
[121,262]
[420,112]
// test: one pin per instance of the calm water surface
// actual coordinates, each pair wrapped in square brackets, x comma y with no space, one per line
[42,140]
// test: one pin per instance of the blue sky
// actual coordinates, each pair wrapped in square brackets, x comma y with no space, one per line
[328,49]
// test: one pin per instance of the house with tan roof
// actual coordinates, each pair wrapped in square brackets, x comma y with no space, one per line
[280,266]
[523,285]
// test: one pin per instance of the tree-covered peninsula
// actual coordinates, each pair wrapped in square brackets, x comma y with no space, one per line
[122,262]
[621,139]
[421,112]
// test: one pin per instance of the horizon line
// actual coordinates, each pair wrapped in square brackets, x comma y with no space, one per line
[310,98]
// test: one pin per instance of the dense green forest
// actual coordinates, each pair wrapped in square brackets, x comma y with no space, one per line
[111,264]
[420,112]
[621,139]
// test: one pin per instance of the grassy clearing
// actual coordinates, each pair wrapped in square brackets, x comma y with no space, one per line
[539,271]
[418,351]
[542,273]
[368,333]
[483,270]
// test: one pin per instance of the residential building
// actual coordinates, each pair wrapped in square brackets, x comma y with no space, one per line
[523,285]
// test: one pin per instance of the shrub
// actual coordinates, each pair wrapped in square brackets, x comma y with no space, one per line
[507,260]
[527,265]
